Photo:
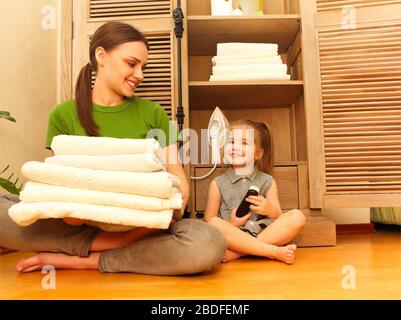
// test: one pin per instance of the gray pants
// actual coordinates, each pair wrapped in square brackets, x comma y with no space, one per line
[190,246]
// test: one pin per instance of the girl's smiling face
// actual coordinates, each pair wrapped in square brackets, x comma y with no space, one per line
[122,67]
[241,149]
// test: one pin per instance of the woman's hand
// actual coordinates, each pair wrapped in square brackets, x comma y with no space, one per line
[238,222]
[262,206]
[174,167]
[185,194]
[178,213]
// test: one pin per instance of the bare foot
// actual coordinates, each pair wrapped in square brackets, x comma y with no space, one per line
[231,255]
[58,261]
[286,254]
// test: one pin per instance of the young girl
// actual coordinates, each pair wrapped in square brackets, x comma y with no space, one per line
[265,230]
[118,55]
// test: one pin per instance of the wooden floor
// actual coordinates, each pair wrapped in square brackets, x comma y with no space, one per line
[316,274]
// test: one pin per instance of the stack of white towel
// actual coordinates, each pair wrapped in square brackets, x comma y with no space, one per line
[115,184]
[237,61]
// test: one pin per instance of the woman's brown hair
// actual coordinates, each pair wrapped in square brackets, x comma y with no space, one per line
[108,36]
[265,141]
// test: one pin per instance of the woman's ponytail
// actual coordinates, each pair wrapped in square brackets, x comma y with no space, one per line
[83,100]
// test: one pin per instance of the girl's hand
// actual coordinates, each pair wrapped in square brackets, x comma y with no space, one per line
[261,205]
[238,222]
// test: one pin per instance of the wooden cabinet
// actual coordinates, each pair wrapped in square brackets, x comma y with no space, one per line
[278,103]
[353,99]
[340,113]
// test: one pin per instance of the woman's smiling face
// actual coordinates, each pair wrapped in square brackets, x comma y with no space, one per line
[122,67]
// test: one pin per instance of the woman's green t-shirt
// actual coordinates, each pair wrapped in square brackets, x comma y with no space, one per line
[133,118]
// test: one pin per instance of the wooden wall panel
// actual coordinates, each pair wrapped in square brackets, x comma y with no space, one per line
[361,95]
[358,101]
[128,8]
[327,5]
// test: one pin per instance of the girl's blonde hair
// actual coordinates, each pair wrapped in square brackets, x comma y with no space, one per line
[265,141]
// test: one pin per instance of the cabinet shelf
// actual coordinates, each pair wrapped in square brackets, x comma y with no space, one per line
[204,32]
[235,94]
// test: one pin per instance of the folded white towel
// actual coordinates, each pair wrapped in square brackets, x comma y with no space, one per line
[256,76]
[250,68]
[145,162]
[40,192]
[155,184]
[223,60]
[25,214]
[240,49]
[82,145]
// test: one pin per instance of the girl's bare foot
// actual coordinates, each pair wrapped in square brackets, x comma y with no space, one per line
[286,254]
[58,261]
[231,255]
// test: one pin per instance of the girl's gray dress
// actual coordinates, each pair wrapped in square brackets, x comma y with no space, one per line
[233,189]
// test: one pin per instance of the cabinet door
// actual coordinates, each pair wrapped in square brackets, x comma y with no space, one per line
[155,20]
[352,79]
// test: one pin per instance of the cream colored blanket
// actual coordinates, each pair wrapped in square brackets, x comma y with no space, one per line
[155,184]
[256,76]
[25,214]
[223,60]
[250,68]
[144,162]
[246,49]
[40,192]
[82,145]
[113,184]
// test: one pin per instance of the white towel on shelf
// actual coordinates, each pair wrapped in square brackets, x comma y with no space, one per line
[250,68]
[25,214]
[155,184]
[246,76]
[240,48]
[223,60]
[144,162]
[82,145]
[40,192]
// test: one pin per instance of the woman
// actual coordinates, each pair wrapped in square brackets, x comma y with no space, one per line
[118,54]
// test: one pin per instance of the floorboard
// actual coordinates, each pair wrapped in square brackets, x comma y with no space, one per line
[316,274]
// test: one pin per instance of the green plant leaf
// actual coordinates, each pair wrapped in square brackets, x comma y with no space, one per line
[8,118]
[10,186]
[6,115]
[7,184]
[5,169]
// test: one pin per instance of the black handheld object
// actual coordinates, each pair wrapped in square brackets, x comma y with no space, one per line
[243,208]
